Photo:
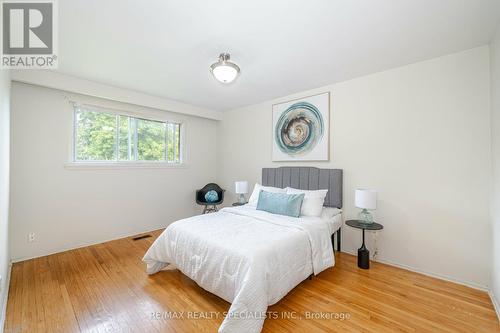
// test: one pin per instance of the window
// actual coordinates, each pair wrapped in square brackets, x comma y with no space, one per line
[109,137]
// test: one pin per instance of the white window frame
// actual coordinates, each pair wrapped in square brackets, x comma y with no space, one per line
[75,164]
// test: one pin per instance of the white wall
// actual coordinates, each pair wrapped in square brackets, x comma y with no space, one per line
[4,187]
[495,150]
[419,135]
[70,208]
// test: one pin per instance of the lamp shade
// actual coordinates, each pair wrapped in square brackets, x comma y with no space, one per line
[366,199]
[241,187]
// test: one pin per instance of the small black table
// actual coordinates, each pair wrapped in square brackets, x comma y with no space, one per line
[239,203]
[363,253]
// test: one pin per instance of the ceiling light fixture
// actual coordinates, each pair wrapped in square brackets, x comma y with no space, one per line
[224,70]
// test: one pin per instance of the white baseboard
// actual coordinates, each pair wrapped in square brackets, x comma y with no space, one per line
[431,274]
[3,301]
[496,305]
[85,244]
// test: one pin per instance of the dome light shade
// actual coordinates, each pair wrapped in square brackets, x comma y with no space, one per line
[224,70]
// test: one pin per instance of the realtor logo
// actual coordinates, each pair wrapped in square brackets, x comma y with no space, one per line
[29,34]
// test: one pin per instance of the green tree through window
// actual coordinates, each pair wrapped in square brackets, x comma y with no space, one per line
[101,136]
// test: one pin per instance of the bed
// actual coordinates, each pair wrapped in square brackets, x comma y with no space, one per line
[249,257]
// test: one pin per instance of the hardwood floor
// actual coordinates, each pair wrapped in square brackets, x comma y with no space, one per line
[104,288]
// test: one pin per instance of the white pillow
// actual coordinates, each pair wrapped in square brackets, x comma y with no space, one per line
[254,198]
[313,201]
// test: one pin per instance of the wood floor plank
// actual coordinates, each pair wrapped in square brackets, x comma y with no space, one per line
[104,288]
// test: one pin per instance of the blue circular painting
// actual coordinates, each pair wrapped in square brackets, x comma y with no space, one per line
[299,128]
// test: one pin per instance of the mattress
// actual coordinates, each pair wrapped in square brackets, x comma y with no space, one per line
[335,223]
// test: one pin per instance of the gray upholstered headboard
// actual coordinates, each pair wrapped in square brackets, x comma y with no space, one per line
[307,178]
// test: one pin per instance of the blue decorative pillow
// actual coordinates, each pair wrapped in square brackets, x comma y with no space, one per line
[211,196]
[280,203]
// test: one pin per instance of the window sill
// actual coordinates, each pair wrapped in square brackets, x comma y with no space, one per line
[122,165]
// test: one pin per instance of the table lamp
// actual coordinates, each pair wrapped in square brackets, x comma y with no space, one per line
[366,200]
[241,188]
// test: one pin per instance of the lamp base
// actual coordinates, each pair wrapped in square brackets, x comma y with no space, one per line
[365,216]
[242,200]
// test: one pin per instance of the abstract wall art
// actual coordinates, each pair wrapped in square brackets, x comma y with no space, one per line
[301,129]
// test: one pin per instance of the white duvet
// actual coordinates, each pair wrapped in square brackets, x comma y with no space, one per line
[248,257]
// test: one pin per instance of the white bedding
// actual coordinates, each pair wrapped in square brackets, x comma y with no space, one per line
[335,223]
[248,257]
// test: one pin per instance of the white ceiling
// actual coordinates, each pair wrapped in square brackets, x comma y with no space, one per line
[164,48]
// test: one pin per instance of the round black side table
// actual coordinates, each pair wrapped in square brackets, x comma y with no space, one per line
[363,253]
